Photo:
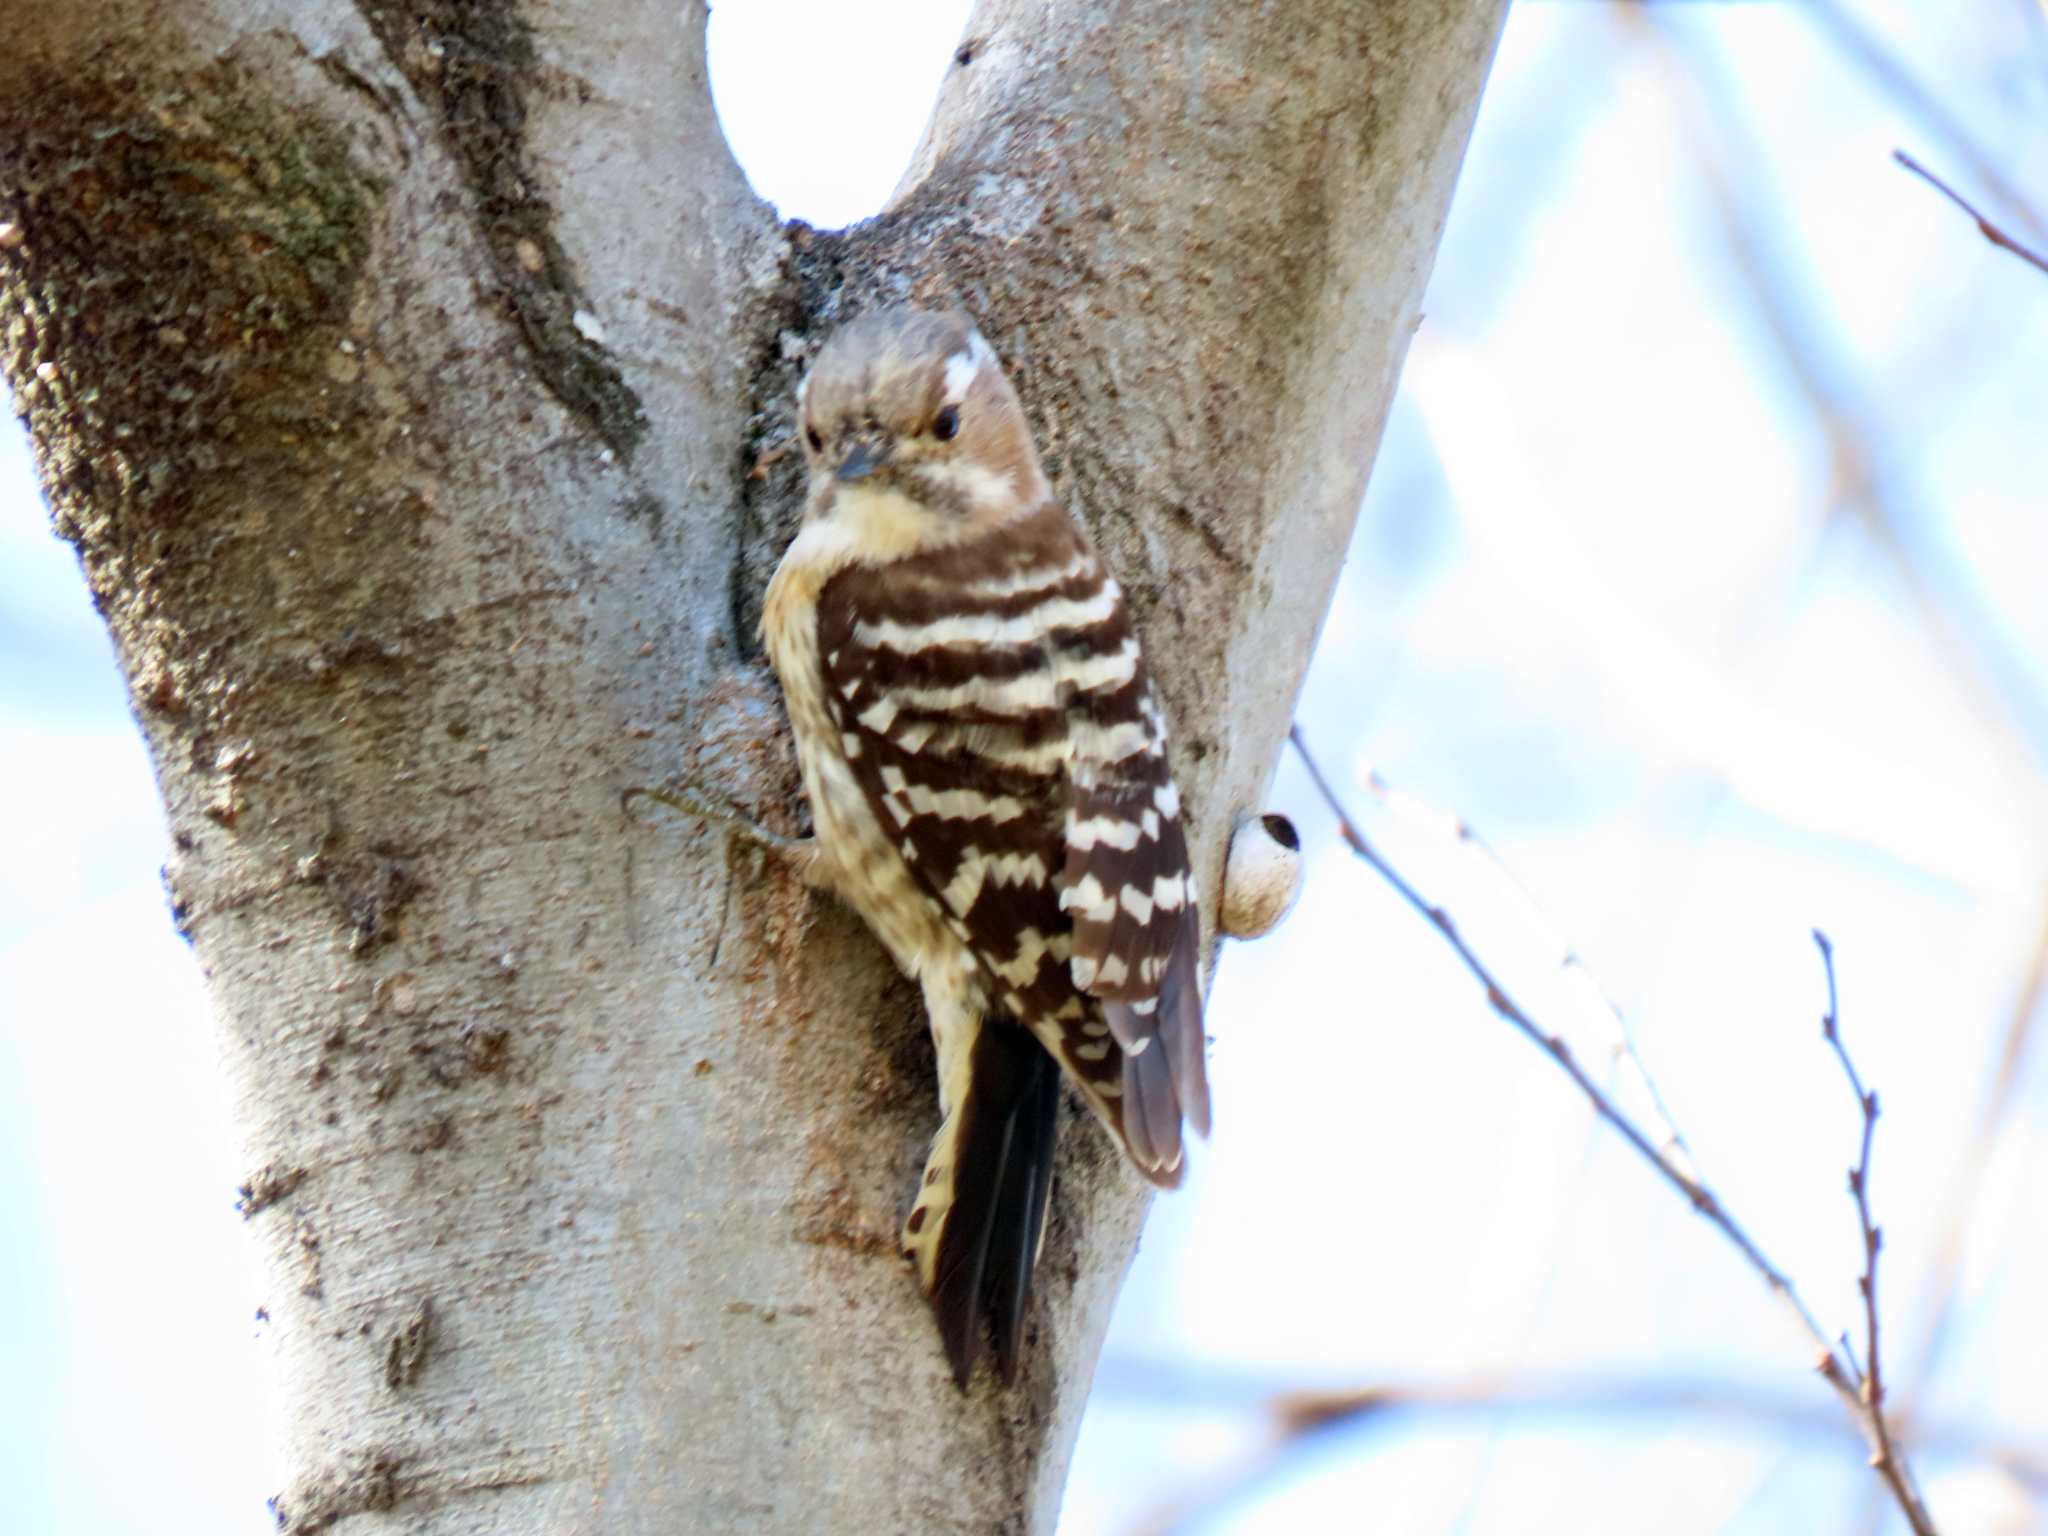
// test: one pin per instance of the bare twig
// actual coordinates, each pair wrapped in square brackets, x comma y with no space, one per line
[1885,1459]
[1985,227]
[1836,1363]
[1867,489]
[1862,48]
[1622,1041]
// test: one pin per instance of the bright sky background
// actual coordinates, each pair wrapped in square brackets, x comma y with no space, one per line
[1599,606]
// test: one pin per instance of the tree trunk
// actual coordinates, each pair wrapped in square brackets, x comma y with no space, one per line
[415,379]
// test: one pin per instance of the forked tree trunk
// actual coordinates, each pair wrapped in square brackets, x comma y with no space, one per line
[414,378]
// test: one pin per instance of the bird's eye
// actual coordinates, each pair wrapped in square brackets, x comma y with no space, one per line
[946,425]
[817,443]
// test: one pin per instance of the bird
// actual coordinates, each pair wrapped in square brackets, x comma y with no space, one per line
[987,768]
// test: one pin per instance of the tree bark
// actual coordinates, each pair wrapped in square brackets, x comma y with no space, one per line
[415,379]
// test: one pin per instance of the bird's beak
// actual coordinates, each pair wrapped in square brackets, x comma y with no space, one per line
[867,455]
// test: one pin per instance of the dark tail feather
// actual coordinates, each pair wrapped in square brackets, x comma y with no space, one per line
[1020,1218]
[1165,1071]
[997,1150]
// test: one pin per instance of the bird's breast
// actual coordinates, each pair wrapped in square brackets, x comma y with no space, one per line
[867,869]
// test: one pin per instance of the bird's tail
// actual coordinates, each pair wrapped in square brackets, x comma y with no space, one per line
[979,1218]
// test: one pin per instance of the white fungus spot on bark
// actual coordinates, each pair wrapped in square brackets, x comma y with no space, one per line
[1263,876]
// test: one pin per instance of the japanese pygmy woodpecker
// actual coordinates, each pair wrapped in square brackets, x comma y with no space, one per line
[987,771]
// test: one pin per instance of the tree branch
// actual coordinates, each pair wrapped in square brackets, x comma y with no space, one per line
[1868,487]
[1835,1363]
[1621,1035]
[1985,227]
[1863,49]
[1887,1460]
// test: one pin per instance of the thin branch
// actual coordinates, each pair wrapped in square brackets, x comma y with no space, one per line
[1696,1192]
[1862,48]
[1985,227]
[1623,1041]
[1992,685]
[1867,489]
[1835,1364]
[1887,1461]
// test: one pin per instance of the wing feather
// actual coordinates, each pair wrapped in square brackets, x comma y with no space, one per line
[1026,780]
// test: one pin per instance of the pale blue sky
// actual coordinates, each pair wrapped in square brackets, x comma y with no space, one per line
[1597,605]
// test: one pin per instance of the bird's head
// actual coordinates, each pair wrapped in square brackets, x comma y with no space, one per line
[910,428]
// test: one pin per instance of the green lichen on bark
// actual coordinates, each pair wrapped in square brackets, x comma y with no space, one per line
[180,261]
[181,258]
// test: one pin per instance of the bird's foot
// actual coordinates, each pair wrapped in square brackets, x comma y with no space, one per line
[800,853]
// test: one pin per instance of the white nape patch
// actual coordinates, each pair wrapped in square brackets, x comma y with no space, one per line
[962,368]
[588,326]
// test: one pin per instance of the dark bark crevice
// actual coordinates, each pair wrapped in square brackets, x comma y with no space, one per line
[474,65]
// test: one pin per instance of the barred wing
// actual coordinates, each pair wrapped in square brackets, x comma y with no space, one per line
[1136,929]
[994,708]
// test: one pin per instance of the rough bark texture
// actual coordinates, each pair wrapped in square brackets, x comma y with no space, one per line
[414,378]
